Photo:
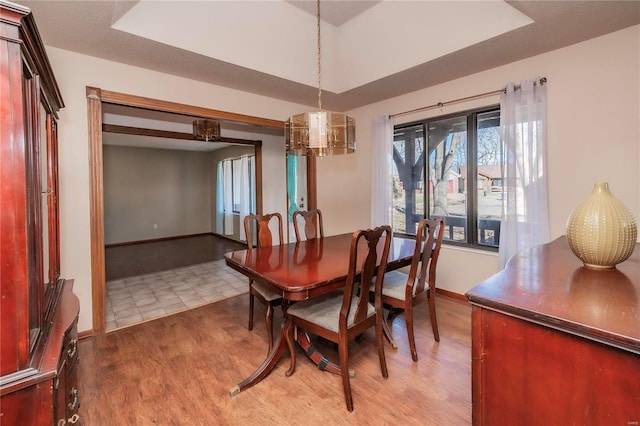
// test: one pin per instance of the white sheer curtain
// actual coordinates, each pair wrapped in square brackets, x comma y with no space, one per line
[525,212]
[381,163]
[245,193]
[227,180]
[219,200]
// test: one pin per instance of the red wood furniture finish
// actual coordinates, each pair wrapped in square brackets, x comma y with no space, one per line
[256,290]
[555,343]
[351,308]
[312,224]
[38,311]
[402,292]
[298,271]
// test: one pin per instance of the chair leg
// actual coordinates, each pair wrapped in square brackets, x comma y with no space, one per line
[432,313]
[408,316]
[289,333]
[387,334]
[344,371]
[268,318]
[380,346]
[251,299]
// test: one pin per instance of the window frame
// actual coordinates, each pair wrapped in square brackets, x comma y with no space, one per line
[472,215]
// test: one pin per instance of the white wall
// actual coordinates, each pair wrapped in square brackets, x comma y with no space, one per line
[155,193]
[594,134]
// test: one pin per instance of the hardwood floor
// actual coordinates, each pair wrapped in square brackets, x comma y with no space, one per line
[142,258]
[178,370]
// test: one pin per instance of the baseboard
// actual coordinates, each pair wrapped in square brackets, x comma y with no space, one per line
[452,294]
[227,238]
[85,334]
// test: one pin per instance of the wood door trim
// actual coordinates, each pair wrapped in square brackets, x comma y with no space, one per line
[96,210]
[95,98]
[139,131]
[177,108]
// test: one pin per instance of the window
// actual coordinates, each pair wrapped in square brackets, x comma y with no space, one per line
[457,174]
[237,182]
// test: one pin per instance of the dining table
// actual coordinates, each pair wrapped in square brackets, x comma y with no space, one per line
[299,271]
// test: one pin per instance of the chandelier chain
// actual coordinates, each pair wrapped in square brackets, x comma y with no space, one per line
[319,66]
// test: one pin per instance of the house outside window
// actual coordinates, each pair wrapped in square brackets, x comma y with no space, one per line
[450,166]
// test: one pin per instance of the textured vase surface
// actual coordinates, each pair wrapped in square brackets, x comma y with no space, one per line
[601,231]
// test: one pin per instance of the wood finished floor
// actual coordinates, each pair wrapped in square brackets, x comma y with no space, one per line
[178,370]
[142,258]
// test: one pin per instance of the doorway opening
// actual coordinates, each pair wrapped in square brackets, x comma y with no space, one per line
[96,100]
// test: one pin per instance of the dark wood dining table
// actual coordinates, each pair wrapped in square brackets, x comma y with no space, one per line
[298,271]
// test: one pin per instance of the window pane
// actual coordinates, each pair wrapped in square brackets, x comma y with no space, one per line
[490,190]
[448,174]
[408,179]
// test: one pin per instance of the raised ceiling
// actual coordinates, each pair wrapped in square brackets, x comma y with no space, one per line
[371,50]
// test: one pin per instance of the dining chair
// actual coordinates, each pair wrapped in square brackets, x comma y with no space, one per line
[345,314]
[402,292]
[312,223]
[264,294]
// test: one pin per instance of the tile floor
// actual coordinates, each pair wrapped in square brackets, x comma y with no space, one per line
[144,297]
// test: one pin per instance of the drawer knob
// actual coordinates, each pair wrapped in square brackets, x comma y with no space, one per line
[74,348]
[76,401]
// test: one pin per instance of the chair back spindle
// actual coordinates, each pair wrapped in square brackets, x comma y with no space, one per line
[312,224]
[372,272]
[402,292]
[422,258]
[264,237]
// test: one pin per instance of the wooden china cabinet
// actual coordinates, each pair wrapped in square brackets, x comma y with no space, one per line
[38,311]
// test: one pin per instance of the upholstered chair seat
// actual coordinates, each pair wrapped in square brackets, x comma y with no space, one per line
[266,293]
[395,284]
[324,311]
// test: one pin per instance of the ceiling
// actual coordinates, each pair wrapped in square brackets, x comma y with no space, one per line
[371,50]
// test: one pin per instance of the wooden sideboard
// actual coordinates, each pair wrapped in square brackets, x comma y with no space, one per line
[555,343]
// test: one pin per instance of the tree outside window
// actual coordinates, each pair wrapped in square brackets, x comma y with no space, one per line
[460,177]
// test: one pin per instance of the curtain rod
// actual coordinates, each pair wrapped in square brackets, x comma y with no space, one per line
[542,81]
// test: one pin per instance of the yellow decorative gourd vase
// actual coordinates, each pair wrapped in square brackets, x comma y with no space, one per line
[601,231]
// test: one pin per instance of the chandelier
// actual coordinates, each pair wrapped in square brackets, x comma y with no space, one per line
[320,133]
[206,130]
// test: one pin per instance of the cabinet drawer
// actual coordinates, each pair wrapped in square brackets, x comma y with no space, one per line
[67,397]
[73,397]
[70,348]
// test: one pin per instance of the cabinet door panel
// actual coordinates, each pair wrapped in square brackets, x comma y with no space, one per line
[533,375]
